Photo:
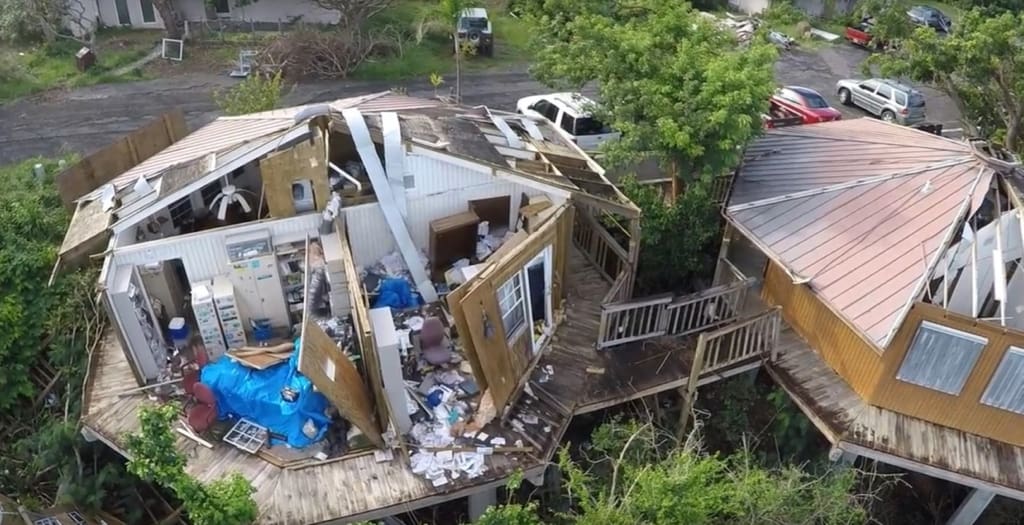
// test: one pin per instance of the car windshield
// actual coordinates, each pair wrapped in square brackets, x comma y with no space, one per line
[473,23]
[815,101]
[590,126]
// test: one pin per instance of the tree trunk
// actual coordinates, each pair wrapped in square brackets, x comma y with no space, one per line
[172,19]
[1012,135]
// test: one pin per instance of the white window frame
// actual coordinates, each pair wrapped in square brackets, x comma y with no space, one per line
[902,373]
[509,303]
[986,397]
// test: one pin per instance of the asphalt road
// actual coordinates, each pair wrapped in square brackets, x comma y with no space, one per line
[87,119]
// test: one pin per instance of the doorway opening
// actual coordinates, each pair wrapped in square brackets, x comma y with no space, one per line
[538,285]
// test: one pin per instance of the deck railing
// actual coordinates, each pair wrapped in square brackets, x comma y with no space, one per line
[756,335]
[603,251]
[666,315]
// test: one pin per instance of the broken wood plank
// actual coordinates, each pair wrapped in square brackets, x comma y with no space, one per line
[141,389]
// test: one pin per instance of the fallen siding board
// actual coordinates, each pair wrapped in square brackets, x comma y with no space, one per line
[381,187]
[394,159]
[345,389]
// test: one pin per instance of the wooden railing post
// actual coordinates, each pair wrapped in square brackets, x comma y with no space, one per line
[688,393]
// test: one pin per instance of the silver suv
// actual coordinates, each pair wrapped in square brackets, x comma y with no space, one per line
[887,99]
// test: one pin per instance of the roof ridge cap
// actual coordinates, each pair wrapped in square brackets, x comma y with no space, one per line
[968,157]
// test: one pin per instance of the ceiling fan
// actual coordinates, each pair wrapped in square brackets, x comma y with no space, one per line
[229,194]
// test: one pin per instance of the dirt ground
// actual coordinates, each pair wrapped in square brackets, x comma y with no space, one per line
[83,120]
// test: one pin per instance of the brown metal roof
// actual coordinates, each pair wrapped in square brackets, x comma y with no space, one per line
[865,244]
[800,158]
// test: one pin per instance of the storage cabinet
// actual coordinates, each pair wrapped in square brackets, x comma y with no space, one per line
[206,319]
[227,312]
[256,278]
[452,238]
[138,322]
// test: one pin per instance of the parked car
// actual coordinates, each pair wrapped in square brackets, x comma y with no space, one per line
[474,28]
[806,102]
[569,112]
[928,16]
[861,35]
[887,99]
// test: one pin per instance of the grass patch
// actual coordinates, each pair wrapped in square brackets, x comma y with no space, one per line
[24,71]
[433,54]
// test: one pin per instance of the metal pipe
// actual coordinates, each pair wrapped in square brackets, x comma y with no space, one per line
[343,173]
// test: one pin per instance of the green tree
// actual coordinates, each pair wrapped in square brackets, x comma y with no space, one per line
[226,501]
[669,258]
[979,66]
[636,474]
[254,94]
[444,18]
[676,86]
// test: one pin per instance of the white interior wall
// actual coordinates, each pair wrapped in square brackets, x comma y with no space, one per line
[204,254]
[441,189]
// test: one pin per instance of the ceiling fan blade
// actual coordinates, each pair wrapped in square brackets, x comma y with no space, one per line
[222,212]
[244,203]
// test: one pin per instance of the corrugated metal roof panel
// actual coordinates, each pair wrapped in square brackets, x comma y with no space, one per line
[219,136]
[800,158]
[864,248]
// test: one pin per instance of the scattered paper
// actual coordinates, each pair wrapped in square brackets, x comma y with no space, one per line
[498,441]
[383,456]
[486,451]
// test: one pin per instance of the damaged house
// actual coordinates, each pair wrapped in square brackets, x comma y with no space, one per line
[895,257]
[352,300]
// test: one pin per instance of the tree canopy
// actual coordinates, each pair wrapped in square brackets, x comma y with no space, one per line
[635,474]
[979,65]
[674,84]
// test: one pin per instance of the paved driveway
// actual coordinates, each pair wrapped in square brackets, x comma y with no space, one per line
[821,69]
[87,119]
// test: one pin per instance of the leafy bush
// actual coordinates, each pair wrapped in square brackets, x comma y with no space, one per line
[226,501]
[254,94]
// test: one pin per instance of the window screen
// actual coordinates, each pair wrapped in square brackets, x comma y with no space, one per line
[181,212]
[1006,390]
[510,301]
[940,358]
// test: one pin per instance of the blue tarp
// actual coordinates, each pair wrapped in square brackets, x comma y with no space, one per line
[256,395]
[397,294]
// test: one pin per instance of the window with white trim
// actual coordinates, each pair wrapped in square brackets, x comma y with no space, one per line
[76,517]
[512,305]
[1006,389]
[941,358]
[49,520]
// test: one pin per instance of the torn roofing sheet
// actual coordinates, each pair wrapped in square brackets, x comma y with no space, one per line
[864,247]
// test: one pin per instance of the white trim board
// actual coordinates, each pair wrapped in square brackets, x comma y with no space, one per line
[382,188]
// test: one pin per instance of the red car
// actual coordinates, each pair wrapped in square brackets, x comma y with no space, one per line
[807,103]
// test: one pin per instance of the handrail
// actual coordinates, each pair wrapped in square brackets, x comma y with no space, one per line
[599,247]
[755,335]
[616,292]
[660,315]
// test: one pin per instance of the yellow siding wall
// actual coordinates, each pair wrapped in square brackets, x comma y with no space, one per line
[964,412]
[850,355]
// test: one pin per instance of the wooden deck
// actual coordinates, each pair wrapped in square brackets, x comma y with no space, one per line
[589,379]
[887,436]
[356,487]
